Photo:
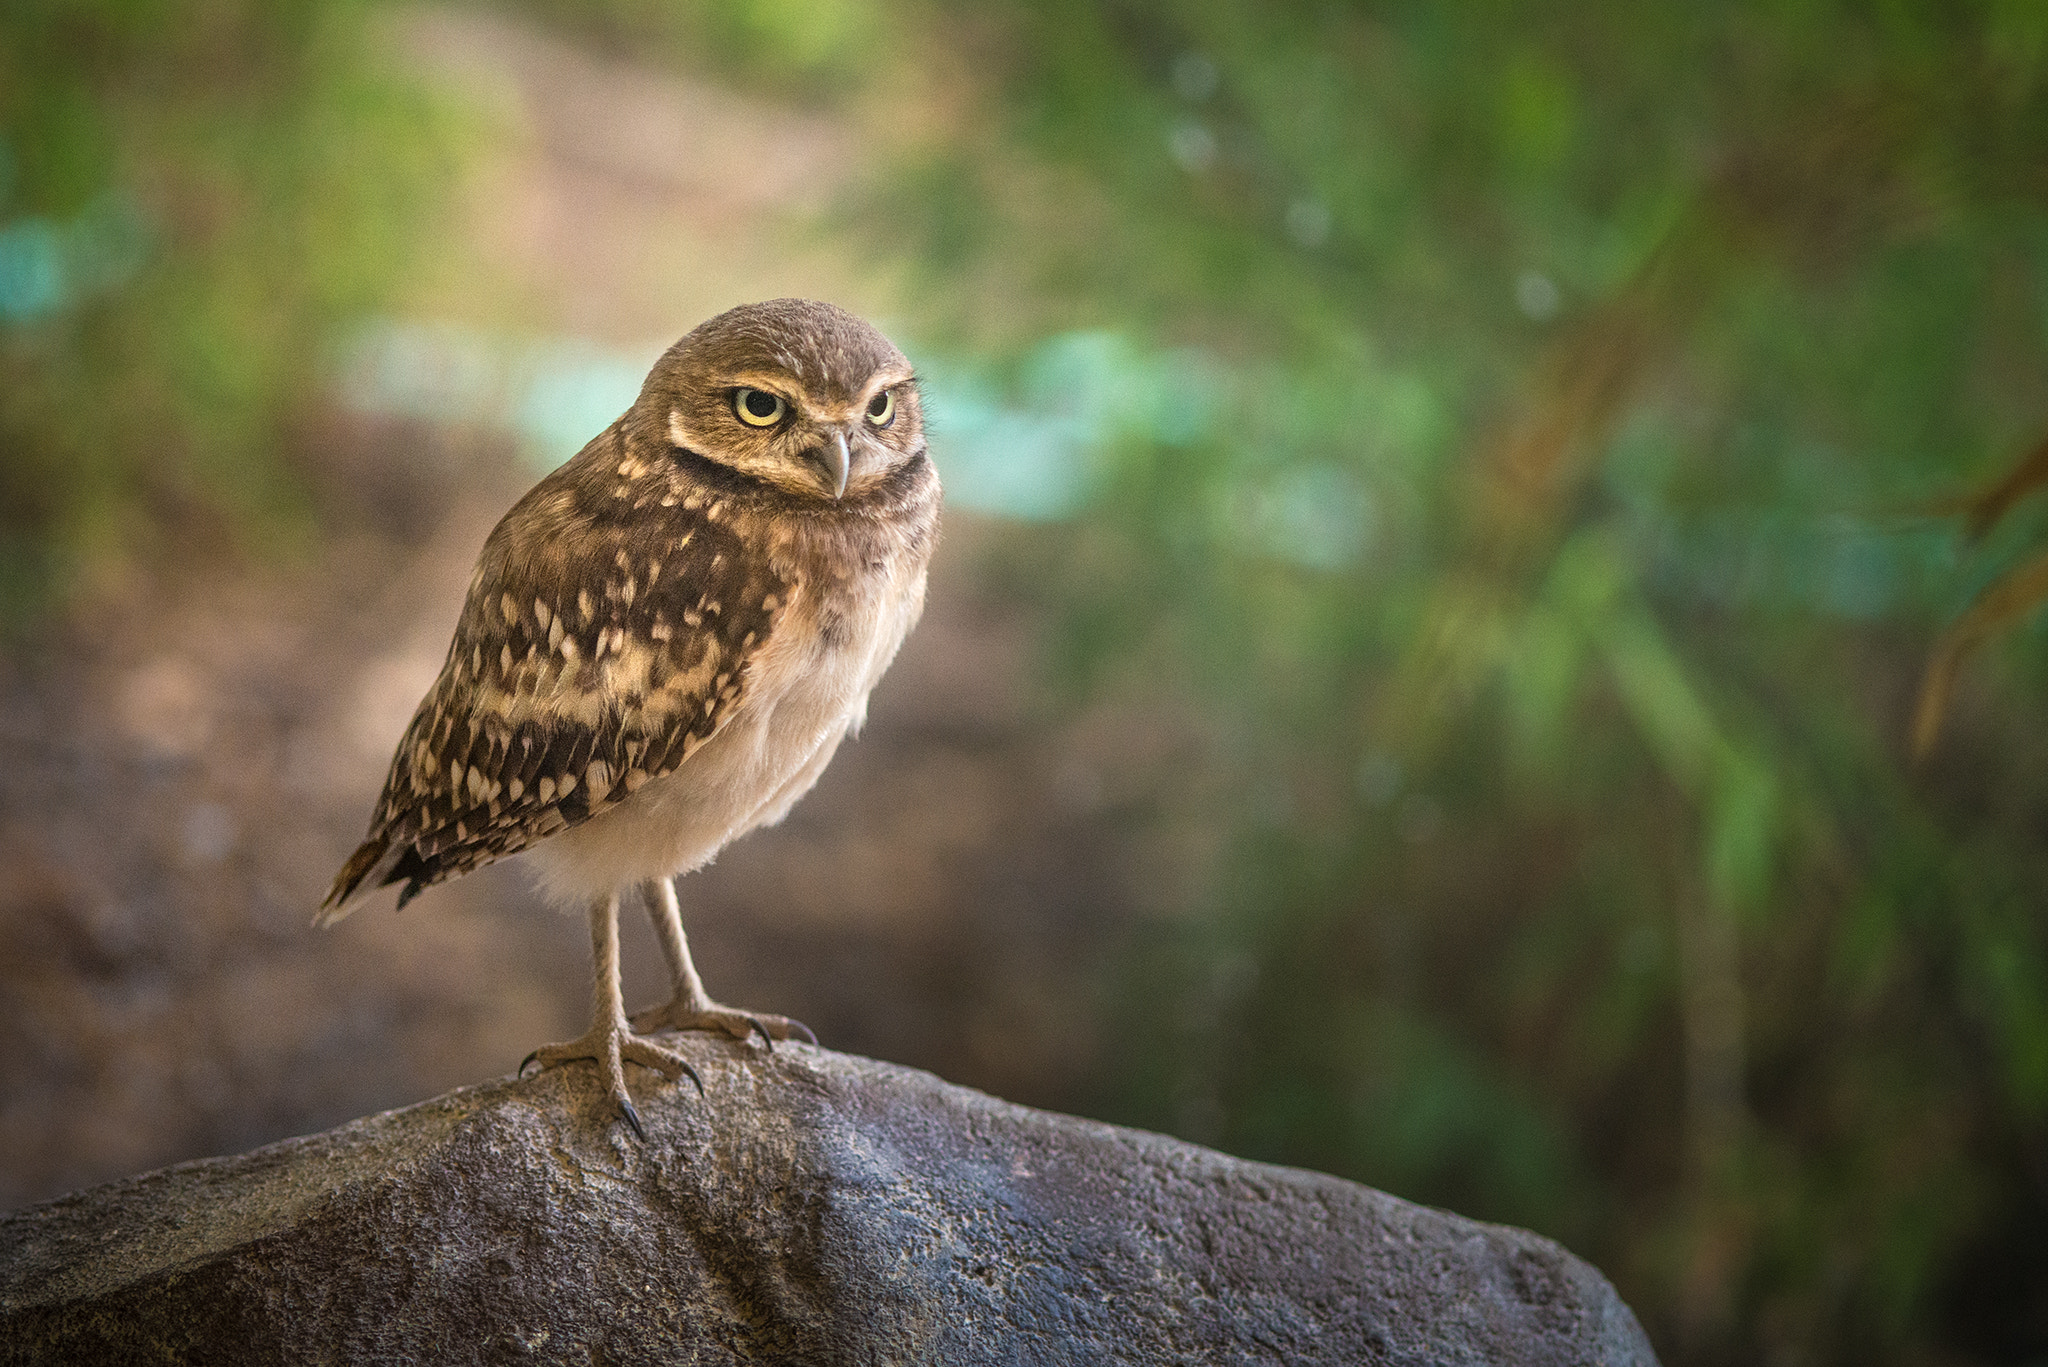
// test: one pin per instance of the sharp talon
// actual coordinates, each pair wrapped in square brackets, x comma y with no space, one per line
[692,1072]
[799,1025]
[762,1031]
[633,1119]
[521,1070]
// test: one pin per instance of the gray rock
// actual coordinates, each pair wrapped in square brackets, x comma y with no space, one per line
[814,1208]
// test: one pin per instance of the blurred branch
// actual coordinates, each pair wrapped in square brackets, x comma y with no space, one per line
[2007,599]
[1530,469]
[1805,199]
[1983,511]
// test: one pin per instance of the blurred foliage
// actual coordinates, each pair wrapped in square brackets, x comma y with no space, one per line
[192,196]
[814,52]
[1555,556]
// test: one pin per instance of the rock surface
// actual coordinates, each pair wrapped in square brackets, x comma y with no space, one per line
[813,1208]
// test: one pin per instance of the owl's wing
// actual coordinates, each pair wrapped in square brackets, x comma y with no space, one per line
[597,649]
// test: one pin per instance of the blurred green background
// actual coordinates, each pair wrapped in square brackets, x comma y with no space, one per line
[1489,479]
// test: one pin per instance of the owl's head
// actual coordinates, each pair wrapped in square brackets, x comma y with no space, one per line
[797,394]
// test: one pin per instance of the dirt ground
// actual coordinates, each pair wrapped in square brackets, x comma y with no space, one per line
[187,761]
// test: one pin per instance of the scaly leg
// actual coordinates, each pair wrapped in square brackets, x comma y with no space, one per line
[691,1008]
[609,1042]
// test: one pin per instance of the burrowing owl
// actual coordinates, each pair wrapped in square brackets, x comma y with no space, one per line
[665,641]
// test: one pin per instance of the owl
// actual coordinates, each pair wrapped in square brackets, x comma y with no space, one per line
[665,641]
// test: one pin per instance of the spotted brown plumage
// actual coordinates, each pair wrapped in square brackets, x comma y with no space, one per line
[555,704]
[666,640]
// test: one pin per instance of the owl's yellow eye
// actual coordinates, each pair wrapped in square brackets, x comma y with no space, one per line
[757,407]
[882,408]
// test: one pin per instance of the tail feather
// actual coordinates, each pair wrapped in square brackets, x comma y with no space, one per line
[353,878]
[383,860]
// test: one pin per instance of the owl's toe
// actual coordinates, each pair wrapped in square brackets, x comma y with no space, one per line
[611,1048]
[706,1015]
[667,1062]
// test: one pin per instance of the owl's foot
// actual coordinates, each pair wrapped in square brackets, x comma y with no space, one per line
[702,1014]
[691,1008]
[611,1047]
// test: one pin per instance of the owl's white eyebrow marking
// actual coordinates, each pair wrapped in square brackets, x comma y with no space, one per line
[888,376]
[774,382]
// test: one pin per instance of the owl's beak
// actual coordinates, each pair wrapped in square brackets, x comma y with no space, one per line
[833,459]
